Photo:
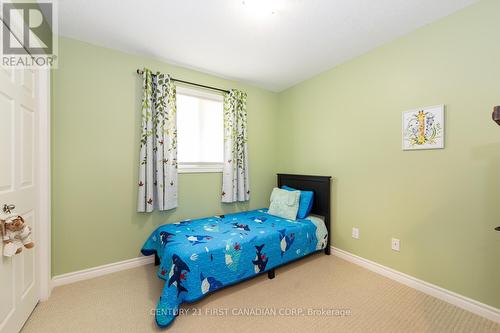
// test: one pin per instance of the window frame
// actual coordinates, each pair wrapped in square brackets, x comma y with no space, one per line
[200,167]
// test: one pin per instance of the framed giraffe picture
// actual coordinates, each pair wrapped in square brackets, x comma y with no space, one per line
[423,128]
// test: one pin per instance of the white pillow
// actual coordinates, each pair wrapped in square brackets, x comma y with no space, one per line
[284,203]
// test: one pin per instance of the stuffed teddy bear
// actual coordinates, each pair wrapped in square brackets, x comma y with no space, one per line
[15,234]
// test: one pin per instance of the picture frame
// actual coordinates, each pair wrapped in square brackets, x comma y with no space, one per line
[423,128]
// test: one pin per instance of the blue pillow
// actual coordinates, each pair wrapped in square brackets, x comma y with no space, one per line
[305,202]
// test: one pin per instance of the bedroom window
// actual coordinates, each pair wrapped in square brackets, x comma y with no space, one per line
[200,131]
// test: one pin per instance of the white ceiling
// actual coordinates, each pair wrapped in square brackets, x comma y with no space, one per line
[270,43]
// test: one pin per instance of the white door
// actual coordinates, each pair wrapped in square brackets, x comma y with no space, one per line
[19,287]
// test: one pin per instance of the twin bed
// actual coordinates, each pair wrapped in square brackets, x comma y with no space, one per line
[197,257]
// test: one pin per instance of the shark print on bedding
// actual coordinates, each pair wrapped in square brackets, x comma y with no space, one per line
[242,227]
[195,261]
[209,284]
[260,260]
[165,237]
[195,240]
[285,241]
[178,273]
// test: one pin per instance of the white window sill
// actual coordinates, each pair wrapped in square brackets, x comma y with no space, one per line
[200,168]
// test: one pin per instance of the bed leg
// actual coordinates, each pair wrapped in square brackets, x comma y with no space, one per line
[328,250]
[271,274]
[157,259]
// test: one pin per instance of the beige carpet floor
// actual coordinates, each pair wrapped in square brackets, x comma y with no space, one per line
[358,301]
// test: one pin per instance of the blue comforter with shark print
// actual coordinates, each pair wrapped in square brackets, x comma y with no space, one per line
[203,255]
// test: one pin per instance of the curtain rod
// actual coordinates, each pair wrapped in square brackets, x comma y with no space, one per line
[190,83]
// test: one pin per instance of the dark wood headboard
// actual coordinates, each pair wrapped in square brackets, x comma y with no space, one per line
[320,185]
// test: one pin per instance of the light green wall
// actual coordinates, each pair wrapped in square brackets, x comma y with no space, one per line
[442,204]
[96,120]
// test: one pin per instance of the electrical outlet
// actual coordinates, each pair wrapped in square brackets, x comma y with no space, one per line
[395,244]
[355,233]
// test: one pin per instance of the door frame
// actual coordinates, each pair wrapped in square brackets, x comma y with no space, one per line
[44,184]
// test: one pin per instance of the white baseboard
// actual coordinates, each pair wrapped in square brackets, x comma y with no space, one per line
[93,272]
[458,300]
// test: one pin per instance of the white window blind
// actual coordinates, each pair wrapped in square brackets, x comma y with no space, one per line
[200,131]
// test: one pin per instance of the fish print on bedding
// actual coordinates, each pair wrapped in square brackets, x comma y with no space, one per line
[201,256]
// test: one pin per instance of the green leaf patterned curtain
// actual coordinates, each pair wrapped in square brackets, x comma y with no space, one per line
[158,157]
[235,183]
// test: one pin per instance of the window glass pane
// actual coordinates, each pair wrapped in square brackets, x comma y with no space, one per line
[199,130]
